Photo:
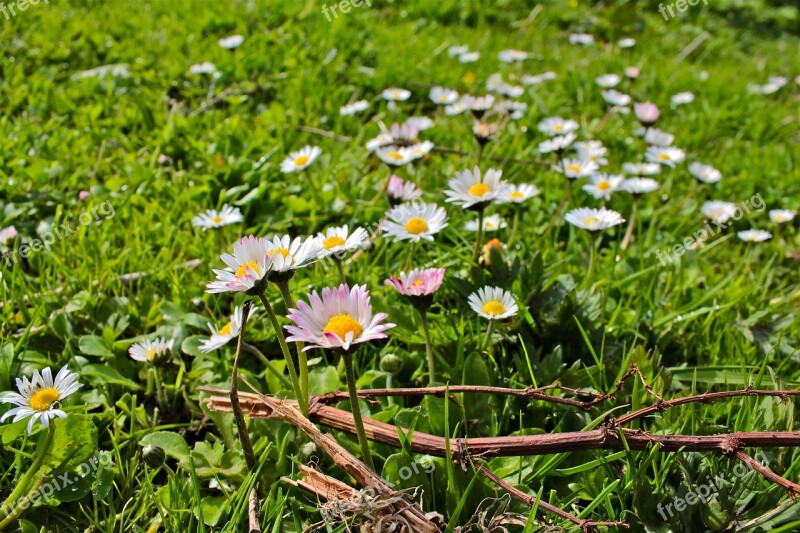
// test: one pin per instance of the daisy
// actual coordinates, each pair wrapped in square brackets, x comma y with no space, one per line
[577,168]
[581,38]
[40,397]
[512,91]
[415,221]
[664,155]
[647,113]
[603,185]
[632,72]
[351,109]
[556,144]
[232,42]
[418,282]
[301,159]
[455,109]
[383,139]
[641,169]
[400,191]
[594,219]
[490,223]
[290,254]
[8,233]
[443,96]
[217,219]
[420,149]
[657,137]
[395,156]
[593,151]
[637,186]
[485,131]
[494,82]
[203,68]
[396,95]
[150,351]
[341,318]
[247,267]
[457,50]
[480,105]
[553,126]
[779,216]
[470,189]
[705,173]
[754,235]
[493,303]
[220,337]
[469,57]
[616,98]
[510,56]
[607,81]
[719,212]
[420,123]
[337,240]
[517,109]
[403,134]
[538,78]
[516,194]
[627,42]
[681,99]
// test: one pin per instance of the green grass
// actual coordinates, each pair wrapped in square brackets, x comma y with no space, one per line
[717,319]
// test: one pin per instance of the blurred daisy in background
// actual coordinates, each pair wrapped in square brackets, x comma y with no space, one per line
[717,211]
[493,303]
[592,151]
[616,98]
[395,156]
[647,113]
[443,96]
[516,194]
[705,173]
[490,223]
[151,351]
[538,78]
[665,155]
[415,221]
[217,219]
[641,169]
[594,219]
[576,168]
[231,42]
[395,94]
[400,191]
[469,57]
[584,39]
[603,185]
[356,107]
[40,398]
[754,235]
[203,68]
[637,186]
[556,144]
[656,137]
[553,126]
[607,81]
[511,56]
[681,99]
[301,159]
[628,42]
[457,50]
[420,123]
[220,337]
[7,233]
[779,216]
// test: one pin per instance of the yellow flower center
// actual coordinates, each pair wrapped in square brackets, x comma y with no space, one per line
[283,251]
[150,353]
[778,218]
[558,127]
[573,168]
[516,195]
[664,156]
[590,221]
[341,325]
[418,283]
[416,225]
[604,185]
[42,399]
[217,219]
[395,155]
[332,242]
[442,97]
[479,189]
[494,308]
[395,94]
[226,329]
[301,160]
[242,270]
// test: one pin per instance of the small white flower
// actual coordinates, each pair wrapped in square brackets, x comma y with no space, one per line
[420,149]
[40,397]
[594,219]
[469,57]
[415,221]
[455,109]
[217,219]
[351,109]
[203,68]
[557,126]
[512,91]
[420,123]
[616,98]
[148,351]
[603,185]
[222,336]
[657,137]
[641,169]
[638,186]
[516,194]
[627,42]
[705,173]
[471,189]
[395,94]
[779,216]
[494,82]
[479,104]
[720,212]
[607,81]
[493,303]
[681,99]
[290,254]
[338,240]
[556,144]
[301,159]
[443,96]
[6,234]
[231,42]
[510,56]
[383,139]
[490,223]
[754,235]
[395,156]
[581,38]
[664,155]
[538,78]
[621,109]
[457,50]
[402,191]
[248,265]
[577,168]
[593,151]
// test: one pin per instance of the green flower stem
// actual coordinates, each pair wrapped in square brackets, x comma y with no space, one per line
[301,355]
[423,316]
[161,395]
[266,362]
[629,232]
[587,281]
[389,377]
[286,355]
[38,458]
[340,268]
[347,357]
[18,510]
[410,256]
[487,343]
[479,238]
[241,425]
[514,225]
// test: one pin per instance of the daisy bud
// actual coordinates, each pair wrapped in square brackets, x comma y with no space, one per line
[153,456]
[647,113]
[487,250]
[391,363]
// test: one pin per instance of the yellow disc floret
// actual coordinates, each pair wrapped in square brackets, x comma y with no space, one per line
[341,325]
[494,308]
[332,242]
[42,400]
[416,225]
[479,189]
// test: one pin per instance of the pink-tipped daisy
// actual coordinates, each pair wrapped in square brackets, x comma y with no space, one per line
[418,282]
[247,267]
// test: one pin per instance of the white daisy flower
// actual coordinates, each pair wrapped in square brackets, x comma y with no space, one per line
[641,169]
[301,159]
[469,57]
[480,104]
[657,137]
[512,91]
[403,134]
[290,254]
[415,221]
[647,113]
[384,139]
[494,82]
[754,235]
[400,191]
[457,50]
[517,110]
[149,351]
[247,267]
[203,68]
[705,173]
[638,186]
[443,96]
[628,42]
[594,219]
[420,123]
[779,216]
[395,94]
[341,318]
[222,336]
[664,155]
[576,168]
[456,108]
[581,38]
[351,109]
[593,151]
[553,126]
[516,194]
[510,56]
[420,149]
[8,233]
[493,303]
[607,81]
[538,78]
[338,240]
[471,189]
[719,212]
[217,219]
[490,223]
[395,156]
[485,131]
[603,185]
[616,98]
[556,144]
[231,42]
[40,397]
[681,99]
